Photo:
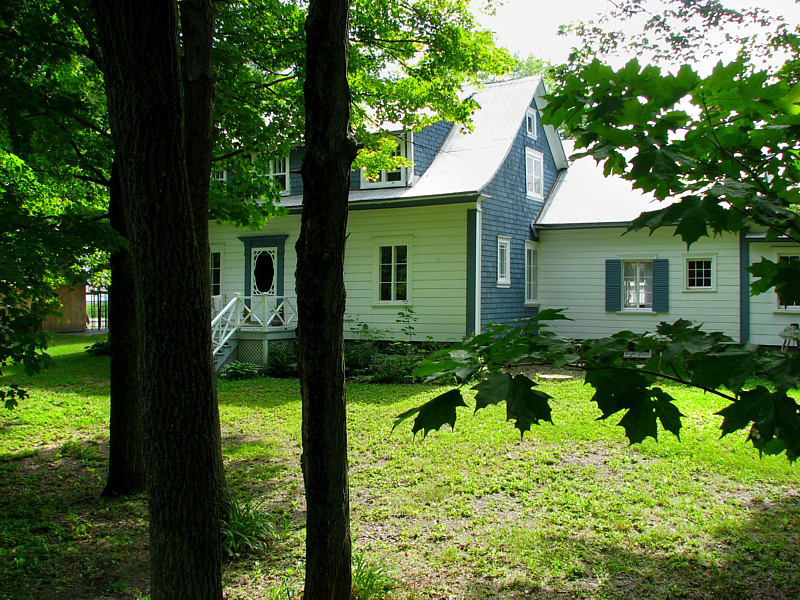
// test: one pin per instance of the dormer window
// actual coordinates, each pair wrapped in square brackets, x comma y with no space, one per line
[276,169]
[532,123]
[391,178]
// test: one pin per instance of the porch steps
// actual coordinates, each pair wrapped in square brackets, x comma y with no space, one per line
[222,356]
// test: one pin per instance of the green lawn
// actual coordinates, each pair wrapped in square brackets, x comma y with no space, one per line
[568,511]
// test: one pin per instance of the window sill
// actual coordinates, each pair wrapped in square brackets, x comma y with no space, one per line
[531,304]
[786,311]
[534,197]
[392,304]
[636,311]
[504,284]
[699,290]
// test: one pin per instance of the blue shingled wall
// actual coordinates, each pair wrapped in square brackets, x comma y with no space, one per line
[427,143]
[509,212]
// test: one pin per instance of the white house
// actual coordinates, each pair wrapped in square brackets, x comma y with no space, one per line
[490,225]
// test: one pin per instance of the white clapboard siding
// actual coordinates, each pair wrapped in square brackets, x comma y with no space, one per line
[438,250]
[572,276]
[766,319]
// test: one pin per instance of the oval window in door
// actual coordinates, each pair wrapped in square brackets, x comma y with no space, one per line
[264,273]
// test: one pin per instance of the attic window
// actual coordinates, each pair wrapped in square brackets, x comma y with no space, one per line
[532,123]
[391,178]
[534,173]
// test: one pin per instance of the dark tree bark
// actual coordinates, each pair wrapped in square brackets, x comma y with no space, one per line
[126,465]
[143,86]
[197,27]
[330,151]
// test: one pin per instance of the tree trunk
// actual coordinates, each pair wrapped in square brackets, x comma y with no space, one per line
[126,466]
[321,301]
[143,85]
[197,27]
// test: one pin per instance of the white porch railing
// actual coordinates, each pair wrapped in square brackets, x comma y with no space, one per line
[228,321]
[262,312]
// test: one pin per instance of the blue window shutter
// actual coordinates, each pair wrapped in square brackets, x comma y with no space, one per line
[613,285]
[661,285]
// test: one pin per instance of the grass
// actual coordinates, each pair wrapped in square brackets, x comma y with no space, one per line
[568,511]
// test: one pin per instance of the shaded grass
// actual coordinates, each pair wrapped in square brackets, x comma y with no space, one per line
[568,511]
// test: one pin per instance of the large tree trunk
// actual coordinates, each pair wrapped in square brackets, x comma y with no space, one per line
[197,27]
[321,300]
[126,465]
[143,84]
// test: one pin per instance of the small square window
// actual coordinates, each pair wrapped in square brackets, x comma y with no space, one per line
[532,123]
[699,274]
[503,261]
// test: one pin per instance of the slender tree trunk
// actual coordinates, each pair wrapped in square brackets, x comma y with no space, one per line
[143,85]
[321,300]
[126,465]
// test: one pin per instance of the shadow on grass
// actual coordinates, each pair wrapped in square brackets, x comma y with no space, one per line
[757,558]
[60,539]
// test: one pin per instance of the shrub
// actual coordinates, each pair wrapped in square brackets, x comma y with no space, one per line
[391,368]
[371,578]
[283,361]
[248,529]
[241,370]
[102,348]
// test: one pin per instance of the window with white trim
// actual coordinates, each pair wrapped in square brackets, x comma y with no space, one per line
[215,264]
[503,260]
[531,272]
[534,173]
[393,273]
[275,169]
[532,123]
[394,177]
[221,175]
[637,284]
[784,304]
[700,273]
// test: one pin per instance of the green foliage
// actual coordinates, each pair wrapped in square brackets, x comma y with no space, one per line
[371,579]
[11,395]
[389,368]
[679,352]
[101,348]
[236,371]
[283,361]
[248,529]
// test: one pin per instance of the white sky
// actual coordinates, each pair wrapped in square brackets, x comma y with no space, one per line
[530,26]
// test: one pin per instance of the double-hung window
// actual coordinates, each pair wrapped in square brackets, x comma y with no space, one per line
[503,261]
[393,273]
[637,284]
[534,173]
[532,123]
[531,291]
[786,303]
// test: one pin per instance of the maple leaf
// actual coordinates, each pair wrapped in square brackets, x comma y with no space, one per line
[434,413]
